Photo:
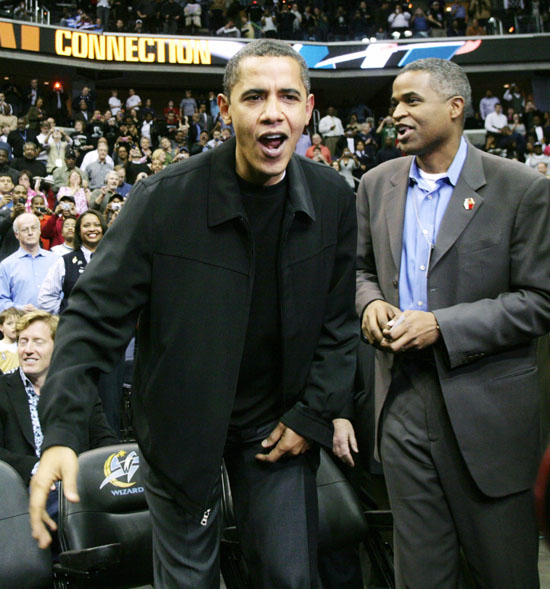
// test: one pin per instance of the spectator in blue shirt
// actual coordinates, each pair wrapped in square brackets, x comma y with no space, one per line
[22,273]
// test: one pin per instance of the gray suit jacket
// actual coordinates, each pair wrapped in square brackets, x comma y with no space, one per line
[489,288]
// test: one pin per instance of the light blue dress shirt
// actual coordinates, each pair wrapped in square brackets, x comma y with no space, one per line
[424,210]
[21,276]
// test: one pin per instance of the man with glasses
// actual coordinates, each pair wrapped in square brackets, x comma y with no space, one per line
[22,273]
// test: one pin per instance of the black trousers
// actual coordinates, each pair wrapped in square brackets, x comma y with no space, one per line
[276,512]
[437,507]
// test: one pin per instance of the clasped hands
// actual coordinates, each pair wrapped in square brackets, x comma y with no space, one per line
[417,330]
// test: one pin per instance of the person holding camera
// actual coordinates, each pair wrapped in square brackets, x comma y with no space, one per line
[100,197]
[53,229]
[13,205]
[63,274]
[78,189]
[22,273]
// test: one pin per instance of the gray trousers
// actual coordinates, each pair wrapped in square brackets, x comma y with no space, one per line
[438,509]
[276,513]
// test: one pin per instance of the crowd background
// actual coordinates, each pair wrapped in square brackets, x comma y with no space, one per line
[314,20]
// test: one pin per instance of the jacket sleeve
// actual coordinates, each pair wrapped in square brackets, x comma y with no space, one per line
[330,383]
[474,329]
[118,284]
[100,432]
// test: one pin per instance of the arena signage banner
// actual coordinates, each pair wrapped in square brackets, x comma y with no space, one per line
[86,47]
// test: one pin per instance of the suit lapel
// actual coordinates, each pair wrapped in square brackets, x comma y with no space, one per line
[457,217]
[18,397]
[394,206]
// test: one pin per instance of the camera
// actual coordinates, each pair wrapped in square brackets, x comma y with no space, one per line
[115,206]
[21,201]
[65,206]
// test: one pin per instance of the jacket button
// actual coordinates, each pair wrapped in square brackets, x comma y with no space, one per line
[395,284]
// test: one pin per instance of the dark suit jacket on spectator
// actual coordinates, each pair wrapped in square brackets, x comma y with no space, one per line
[16,140]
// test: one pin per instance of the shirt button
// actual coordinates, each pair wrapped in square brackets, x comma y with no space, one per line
[420,303]
[430,197]
[423,267]
[425,231]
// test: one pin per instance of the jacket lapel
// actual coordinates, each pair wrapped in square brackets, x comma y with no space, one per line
[457,216]
[394,205]
[18,397]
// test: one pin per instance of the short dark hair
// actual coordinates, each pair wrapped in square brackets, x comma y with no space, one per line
[77,238]
[448,77]
[263,48]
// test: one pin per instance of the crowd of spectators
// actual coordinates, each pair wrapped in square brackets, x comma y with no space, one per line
[320,20]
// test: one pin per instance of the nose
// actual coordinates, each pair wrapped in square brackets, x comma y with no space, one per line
[28,347]
[272,109]
[400,111]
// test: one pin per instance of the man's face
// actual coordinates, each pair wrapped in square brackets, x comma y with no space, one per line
[35,347]
[29,151]
[83,105]
[37,203]
[112,181]
[102,152]
[21,124]
[90,231]
[6,184]
[18,193]
[121,173]
[269,109]
[28,230]
[498,108]
[424,119]
[3,157]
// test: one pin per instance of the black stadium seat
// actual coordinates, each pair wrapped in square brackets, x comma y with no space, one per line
[106,538]
[22,563]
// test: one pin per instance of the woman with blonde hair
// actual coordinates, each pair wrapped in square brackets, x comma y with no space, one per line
[77,189]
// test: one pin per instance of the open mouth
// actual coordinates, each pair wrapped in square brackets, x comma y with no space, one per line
[403,132]
[273,143]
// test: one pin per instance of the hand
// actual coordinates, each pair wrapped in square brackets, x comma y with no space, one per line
[58,210]
[418,331]
[58,463]
[343,440]
[285,441]
[28,308]
[18,209]
[375,319]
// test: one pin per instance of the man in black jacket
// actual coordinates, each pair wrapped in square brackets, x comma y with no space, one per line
[239,264]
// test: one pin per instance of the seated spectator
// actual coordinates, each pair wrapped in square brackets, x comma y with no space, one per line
[53,229]
[9,360]
[123,187]
[56,145]
[388,151]
[63,274]
[533,159]
[82,114]
[19,395]
[67,233]
[348,164]
[474,29]
[61,174]
[20,136]
[93,156]
[22,273]
[113,209]
[97,171]
[6,169]
[78,190]
[171,109]
[200,145]
[399,20]
[156,166]
[517,126]
[317,156]
[28,161]
[82,142]
[316,141]
[145,148]
[100,197]
[167,147]
[137,164]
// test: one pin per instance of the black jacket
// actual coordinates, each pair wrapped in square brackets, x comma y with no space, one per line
[16,436]
[179,260]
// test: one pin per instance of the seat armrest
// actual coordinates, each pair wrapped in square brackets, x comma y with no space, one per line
[90,560]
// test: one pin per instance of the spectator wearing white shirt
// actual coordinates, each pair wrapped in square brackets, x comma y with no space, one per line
[495,121]
[114,102]
[92,156]
[331,128]
[487,104]
[133,100]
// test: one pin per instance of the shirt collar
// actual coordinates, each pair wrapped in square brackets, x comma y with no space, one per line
[21,253]
[29,387]
[454,170]
[87,253]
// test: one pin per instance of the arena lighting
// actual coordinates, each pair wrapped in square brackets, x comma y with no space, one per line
[511,29]
[56,86]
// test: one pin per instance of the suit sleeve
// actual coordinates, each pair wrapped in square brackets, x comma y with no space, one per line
[115,287]
[23,463]
[473,330]
[330,382]
[100,432]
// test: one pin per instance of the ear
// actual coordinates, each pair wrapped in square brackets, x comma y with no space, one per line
[456,106]
[310,103]
[224,106]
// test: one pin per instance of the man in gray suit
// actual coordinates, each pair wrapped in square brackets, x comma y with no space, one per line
[453,287]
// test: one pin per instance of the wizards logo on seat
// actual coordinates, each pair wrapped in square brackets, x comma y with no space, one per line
[119,468]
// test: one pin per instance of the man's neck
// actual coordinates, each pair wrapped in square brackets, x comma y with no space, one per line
[439,160]
[33,251]
[37,381]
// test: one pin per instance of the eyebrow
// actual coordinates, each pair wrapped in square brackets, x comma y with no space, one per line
[405,96]
[263,91]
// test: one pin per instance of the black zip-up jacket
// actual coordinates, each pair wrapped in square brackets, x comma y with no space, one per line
[179,261]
